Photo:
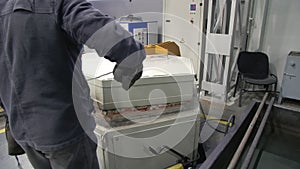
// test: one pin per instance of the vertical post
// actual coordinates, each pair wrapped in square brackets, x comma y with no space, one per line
[245,23]
[219,48]
[263,27]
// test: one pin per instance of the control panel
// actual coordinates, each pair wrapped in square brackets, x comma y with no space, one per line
[140,34]
[139,30]
[194,8]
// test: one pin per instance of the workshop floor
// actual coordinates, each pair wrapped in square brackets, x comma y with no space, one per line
[8,162]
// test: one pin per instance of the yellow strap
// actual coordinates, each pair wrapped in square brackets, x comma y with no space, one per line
[177,166]
[2,131]
[1,110]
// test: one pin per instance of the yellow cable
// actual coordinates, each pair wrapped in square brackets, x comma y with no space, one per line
[219,121]
[2,131]
[178,166]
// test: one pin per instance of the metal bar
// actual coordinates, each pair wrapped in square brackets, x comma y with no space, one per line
[232,29]
[233,68]
[226,70]
[263,27]
[224,17]
[232,17]
[205,67]
[250,22]
[201,47]
[257,136]
[239,4]
[245,23]
[226,74]
[209,16]
[241,147]
[206,57]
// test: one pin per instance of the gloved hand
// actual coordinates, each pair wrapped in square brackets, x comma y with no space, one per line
[127,76]
[129,56]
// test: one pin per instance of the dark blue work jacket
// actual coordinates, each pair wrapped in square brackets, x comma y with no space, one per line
[42,86]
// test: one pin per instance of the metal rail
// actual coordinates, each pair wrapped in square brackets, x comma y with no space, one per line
[241,147]
[257,136]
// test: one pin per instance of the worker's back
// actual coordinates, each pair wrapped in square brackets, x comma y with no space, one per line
[42,85]
[40,81]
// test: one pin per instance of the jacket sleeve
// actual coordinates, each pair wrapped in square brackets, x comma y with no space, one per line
[87,25]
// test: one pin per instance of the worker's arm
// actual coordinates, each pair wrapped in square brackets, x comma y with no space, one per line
[86,25]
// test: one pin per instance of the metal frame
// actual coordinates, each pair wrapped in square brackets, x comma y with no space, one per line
[221,46]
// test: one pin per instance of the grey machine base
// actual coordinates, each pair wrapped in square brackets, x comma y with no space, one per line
[128,147]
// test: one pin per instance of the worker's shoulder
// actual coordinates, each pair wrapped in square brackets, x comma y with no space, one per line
[37,6]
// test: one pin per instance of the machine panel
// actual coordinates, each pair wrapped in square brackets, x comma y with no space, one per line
[183,24]
[291,77]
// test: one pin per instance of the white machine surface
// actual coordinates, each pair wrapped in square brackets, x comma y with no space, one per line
[183,23]
[166,79]
[291,80]
[128,147]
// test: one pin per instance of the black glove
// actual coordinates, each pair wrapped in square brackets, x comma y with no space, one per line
[127,76]
[129,56]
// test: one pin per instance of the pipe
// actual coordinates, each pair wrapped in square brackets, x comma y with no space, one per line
[241,147]
[257,136]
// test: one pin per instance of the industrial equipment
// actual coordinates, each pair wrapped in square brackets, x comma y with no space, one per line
[183,23]
[131,146]
[291,80]
[166,79]
[160,110]
[143,31]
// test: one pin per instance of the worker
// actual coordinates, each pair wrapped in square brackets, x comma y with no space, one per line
[42,86]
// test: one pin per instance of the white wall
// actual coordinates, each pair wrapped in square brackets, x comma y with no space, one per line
[282,33]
